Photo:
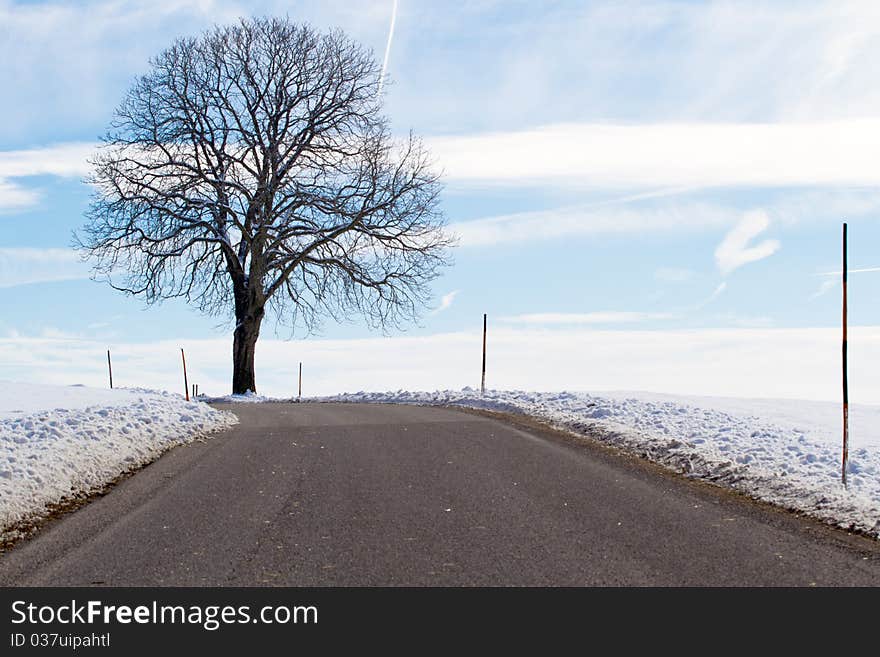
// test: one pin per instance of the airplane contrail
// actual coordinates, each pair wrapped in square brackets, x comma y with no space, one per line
[851,271]
[388,45]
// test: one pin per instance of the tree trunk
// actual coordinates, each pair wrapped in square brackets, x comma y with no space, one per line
[244,345]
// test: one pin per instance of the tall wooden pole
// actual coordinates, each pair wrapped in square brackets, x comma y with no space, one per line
[845,456]
[185,382]
[110,369]
[300,392]
[483,381]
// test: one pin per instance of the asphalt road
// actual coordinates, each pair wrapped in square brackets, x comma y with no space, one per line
[337,494]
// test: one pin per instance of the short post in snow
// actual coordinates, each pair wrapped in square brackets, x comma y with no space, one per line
[193,390]
[110,369]
[845,455]
[483,380]
[299,394]
[185,382]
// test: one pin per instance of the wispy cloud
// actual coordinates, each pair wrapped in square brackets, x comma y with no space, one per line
[24,266]
[833,279]
[825,287]
[589,220]
[445,302]
[668,155]
[735,250]
[813,59]
[64,160]
[68,159]
[67,64]
[717,292]
[13,197]
[659,212]
[599,317]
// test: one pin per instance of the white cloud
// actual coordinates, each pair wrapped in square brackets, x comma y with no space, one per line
[767,362]
[806,60]
[825,287]
[720,289]
[23,266]
[68,160]
[66,65]
[717,292]
[589,220]
[14,197]
[735,251]
[445,302]
[833,279]
[668,155]
[598,317]
[646,213]
[64,160]
[748,60]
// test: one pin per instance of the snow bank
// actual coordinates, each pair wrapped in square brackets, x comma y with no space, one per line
[785,452]
[18,399]
[58,442]
[246,398]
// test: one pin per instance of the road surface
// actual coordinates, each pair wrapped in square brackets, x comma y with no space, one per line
[347,494]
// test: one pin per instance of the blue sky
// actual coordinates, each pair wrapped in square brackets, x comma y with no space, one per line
[676,171]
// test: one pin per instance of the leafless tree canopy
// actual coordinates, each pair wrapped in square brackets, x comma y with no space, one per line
[250,170]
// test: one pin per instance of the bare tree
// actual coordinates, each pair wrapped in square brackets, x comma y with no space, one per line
[251,170]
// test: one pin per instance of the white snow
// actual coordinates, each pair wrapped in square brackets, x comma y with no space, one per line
[245,398]
[59,442]
[786,452]
[17,399]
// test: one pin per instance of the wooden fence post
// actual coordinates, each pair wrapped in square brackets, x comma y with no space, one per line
[483,380]
[185,382]
[845,455]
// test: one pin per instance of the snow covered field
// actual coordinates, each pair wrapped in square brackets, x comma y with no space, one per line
[57,442]
[781,451]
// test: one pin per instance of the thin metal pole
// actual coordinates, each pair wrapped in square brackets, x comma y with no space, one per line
[110,369]
[300,393]
[845,456]
[185,382]
[483,381]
